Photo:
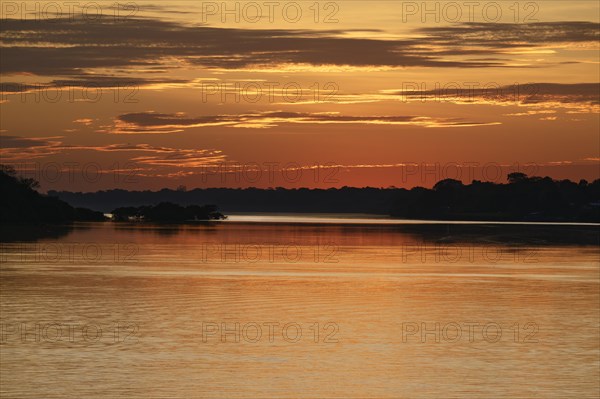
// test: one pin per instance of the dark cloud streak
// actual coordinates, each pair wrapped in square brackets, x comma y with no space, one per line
[154,122]
[67,48]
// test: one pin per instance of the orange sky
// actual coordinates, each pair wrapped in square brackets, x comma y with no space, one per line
[298,94]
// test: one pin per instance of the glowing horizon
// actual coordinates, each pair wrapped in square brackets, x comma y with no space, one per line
[146,96]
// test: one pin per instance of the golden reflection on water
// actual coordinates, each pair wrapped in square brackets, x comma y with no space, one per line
[288,311]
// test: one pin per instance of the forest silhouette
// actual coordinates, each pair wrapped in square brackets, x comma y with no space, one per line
[20,202]
[521,198]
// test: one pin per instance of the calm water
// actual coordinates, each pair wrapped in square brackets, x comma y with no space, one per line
[280,310]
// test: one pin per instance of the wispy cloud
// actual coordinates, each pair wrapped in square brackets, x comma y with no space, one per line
[154,122]
[15,148]
[22,149]
[584,97]
[72,47]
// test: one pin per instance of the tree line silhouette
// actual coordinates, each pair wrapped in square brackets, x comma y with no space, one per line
[20,202]
[521,198]
[167,212]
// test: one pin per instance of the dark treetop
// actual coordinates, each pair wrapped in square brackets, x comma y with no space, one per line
[521,198]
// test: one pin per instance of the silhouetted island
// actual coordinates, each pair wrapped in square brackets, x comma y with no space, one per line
[521,198]
[20,202]
[168,212]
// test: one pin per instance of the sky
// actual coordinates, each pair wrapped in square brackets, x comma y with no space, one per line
[151,95]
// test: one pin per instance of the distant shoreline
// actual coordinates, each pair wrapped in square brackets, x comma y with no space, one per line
[434,231]
[521,199]
[346,219]
[329,218]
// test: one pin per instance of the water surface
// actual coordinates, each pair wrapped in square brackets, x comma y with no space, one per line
[292,310]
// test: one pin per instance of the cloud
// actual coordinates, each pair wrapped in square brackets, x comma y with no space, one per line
[154,122]
[73,47]
[88,86]
[27,142]
[22,149]
[584,97]
[15,148]
[510,36]
[84,121]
